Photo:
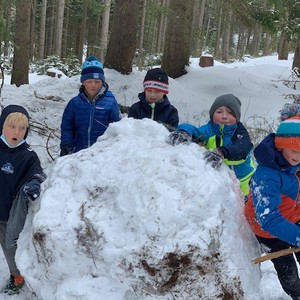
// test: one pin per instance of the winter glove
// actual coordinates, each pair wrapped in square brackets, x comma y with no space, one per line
[179,137]
[65,150]
[214,158]
[32,189]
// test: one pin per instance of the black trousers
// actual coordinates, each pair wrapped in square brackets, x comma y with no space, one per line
[285,266]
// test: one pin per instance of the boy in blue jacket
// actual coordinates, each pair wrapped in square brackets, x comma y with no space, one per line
[273,206]
[154,103]
[87,116]
[224,136]
[21,176]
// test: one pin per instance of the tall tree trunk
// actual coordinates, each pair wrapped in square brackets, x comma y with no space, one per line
[42,30]
[32,27]
[59,27]
[283,47]
[141,39]
[226,36]
[296,61]
[122,43]
[267,43]
[80,41]
[7,26]
[178,38]
[22,39]
[218,32]
[104,30]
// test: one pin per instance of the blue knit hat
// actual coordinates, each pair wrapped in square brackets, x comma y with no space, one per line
[92,68]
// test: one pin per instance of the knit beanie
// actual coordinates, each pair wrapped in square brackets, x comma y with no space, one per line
[92,68]
[229,101]
[157,79]
[288,134]
[12,109]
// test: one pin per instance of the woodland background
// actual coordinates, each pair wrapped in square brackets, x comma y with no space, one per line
[140,33]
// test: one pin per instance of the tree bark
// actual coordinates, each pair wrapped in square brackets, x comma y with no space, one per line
[104,30]
[42,30]
[178,38]
[296,61]
[22,43]
[122,43]
[59,27]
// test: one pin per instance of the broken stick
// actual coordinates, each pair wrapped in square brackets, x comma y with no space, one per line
[273,255]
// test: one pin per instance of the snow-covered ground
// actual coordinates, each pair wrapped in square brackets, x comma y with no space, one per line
[133,217]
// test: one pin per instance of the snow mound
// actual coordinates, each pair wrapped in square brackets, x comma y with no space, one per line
[102,215]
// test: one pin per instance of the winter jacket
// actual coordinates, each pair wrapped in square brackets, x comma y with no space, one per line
[83,121]
[233,141]
[18,166]
[273,206]
[162,112]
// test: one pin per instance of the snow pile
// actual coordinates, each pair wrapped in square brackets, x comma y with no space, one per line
[133,217]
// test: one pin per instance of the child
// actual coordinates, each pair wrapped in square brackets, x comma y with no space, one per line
[154,103]
[225,136]
[20,178]
[87,115]
[273,206]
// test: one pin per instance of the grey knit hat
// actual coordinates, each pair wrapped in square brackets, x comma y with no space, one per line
[230,101]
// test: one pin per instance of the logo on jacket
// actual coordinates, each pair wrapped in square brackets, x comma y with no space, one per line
[7,168]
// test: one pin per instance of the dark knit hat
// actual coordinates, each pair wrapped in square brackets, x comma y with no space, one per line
[157,79]
[92,68]
[231,102]
[12,109]
[288,134]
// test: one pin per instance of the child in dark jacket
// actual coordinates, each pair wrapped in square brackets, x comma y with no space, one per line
[154,103]
[20,178]
[273,206]
[87,116]
[224,136]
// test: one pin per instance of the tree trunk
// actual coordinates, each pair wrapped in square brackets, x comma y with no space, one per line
[104,30]
[267,43]
[7,26]
[32,27]
[22,39]
[296,61]
[59,27]
[42,30]
[283,48]
[122,43]
[80,40]
[141,39]
[178,37]
[218,32]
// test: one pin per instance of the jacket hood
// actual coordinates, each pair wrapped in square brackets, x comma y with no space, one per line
[266,154]
[12,109]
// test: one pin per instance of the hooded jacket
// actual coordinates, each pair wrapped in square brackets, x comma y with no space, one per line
[83,121]
[273,206]
[162,112]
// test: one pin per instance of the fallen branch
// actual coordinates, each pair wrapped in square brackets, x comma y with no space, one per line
[273,255]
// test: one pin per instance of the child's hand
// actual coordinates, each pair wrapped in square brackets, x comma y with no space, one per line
[65,150]
[179,137]
[214,158]
[32,189]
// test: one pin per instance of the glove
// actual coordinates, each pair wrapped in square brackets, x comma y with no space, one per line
[65,150]
[32,189]
[178,137]
[214,158]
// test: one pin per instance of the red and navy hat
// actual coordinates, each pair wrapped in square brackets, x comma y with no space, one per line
[92,68]
[157,79]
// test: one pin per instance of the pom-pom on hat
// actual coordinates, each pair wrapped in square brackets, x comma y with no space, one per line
[288,134]
[157,79]
[92,68]
[228,100]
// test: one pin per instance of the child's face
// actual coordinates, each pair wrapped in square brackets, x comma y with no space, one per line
[92,87]
[153,95]
[292,156]
[14,132]
[224,116]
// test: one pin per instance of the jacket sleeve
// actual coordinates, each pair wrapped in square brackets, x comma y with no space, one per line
[199,134]
[241,145]
[173,118]
[266,199]
[68,125]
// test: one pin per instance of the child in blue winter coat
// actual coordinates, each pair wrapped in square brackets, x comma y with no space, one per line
[224,136]
[87,116]
[20,178]
[273,206]
[154,103]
